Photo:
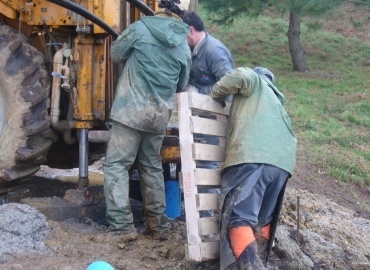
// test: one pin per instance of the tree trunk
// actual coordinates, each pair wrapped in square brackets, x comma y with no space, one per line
[193,5]
[295,47]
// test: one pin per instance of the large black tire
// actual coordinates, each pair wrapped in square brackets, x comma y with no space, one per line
[25,134]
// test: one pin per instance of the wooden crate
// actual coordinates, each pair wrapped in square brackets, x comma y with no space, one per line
[202,232]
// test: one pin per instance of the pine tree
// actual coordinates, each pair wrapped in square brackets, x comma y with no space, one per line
[295,8]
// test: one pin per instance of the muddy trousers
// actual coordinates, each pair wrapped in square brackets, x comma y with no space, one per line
[250,193]
[125,145]
[258,206]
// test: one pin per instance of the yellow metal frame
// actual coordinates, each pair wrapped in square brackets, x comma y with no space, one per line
[171,154]
[8,11]
[93,66]
[91,54]
[42,12]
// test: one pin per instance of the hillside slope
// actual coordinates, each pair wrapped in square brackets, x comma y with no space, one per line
[329,105]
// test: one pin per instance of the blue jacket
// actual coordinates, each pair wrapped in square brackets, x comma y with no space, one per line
[210,62]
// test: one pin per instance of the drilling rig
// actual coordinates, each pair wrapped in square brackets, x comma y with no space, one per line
[57,82]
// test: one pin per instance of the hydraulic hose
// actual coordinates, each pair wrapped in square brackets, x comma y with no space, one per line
[91,17]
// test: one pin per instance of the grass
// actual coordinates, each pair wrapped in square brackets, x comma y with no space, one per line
[330,104]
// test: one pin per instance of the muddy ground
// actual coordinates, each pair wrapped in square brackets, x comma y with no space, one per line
[333,233]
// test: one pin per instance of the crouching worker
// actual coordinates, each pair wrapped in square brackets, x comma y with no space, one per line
[260,157]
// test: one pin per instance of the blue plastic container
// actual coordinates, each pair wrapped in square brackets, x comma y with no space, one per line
[100,265]
[173,199]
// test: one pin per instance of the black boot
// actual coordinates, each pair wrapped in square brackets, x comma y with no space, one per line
[249,259]
[262,244]
[262,235]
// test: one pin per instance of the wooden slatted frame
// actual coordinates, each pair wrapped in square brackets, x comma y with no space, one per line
[189,106]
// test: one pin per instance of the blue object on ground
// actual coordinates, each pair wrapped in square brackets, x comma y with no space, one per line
[173,199]
[100,265]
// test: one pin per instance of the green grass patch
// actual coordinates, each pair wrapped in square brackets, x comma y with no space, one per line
[330,104]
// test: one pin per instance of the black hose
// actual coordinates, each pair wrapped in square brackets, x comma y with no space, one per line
[91,17]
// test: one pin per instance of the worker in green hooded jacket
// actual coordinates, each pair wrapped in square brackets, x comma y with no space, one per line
[260,157]
[157,63]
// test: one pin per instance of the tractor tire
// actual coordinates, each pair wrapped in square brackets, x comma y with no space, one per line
[25,134]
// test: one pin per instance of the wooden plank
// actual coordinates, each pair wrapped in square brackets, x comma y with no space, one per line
[187,167]
[208,225]
[206,103]
[207,177]
[203,252]
[181,182]
[208,126]
[192,253]
[207,201]
[208,152]
[210,250]
[191,177]
[222,139]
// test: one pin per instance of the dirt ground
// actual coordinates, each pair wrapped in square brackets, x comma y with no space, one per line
[74,244]
[310,177]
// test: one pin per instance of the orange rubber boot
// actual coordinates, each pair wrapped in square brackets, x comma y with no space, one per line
[240,238]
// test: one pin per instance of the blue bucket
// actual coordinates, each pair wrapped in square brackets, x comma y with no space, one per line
[173,199]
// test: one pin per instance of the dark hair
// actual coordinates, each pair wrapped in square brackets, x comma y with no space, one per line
[192,19]
[170,7]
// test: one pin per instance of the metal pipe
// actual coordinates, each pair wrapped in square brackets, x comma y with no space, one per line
[83,180]
[67,136]
[298,220]
[55,90]
[61,126]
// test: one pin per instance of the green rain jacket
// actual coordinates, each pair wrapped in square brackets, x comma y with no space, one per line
[259,129]
[158,62]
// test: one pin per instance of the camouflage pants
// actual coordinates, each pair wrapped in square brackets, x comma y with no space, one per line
[125,145]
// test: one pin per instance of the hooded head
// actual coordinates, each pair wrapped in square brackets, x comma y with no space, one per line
[183,4]
[265,72]
[178,7]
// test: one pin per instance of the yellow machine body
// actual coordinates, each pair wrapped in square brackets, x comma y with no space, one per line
[95,73]
[46,13]
[90,78]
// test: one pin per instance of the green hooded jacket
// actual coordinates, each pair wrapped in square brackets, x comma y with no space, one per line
[259,129]
[158,62]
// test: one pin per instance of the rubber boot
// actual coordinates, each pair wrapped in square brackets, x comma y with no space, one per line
[249,259]
[244,247]
[262,236]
